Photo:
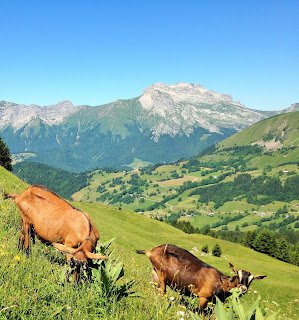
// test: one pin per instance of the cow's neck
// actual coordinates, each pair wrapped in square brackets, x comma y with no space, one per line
[230,283]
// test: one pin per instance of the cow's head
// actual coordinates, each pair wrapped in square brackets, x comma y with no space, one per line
[245,278]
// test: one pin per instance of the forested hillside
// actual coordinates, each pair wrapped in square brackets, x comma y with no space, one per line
[60,181]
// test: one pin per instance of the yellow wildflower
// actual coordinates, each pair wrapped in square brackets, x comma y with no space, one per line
[18,258]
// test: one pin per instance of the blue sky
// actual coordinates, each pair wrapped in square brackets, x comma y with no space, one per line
[95,52]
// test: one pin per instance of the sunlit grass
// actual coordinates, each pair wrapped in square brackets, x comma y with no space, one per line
[34,287]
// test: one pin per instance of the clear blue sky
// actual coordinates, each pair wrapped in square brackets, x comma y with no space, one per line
[94,52]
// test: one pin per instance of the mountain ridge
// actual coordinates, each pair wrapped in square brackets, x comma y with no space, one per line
[165,123]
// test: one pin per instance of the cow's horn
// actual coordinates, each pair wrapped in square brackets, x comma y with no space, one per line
[63,248]
[90,255]
[233,267]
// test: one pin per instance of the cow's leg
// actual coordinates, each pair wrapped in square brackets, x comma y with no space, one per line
[155,278]
[26,236]
[32,233]
[21,236]
[203,302]
[162,280]
[24,242]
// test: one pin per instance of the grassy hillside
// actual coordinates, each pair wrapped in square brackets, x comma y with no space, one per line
[34,288]
[282,128]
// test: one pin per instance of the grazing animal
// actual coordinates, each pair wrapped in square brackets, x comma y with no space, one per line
[181,270]
[56,222]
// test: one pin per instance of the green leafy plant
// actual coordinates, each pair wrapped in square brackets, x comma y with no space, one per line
[108,274]
[233,309]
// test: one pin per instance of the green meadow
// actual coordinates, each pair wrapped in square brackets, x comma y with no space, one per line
[33,288]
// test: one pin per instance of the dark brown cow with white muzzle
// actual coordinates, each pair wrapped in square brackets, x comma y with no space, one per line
[56,222]
[181,270]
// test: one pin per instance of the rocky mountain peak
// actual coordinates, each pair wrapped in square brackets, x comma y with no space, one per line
[293,107]
[181,107]
[17,115]
[157,94]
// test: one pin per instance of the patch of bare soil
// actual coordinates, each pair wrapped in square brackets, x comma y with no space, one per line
[270,145]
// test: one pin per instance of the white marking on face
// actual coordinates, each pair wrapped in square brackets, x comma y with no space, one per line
[251,277]
[240,276]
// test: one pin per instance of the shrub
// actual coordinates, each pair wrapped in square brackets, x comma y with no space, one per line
[205,248]
[217,250]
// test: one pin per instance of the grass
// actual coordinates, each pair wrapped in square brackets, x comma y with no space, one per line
[32,288]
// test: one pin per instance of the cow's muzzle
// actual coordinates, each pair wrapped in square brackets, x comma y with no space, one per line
[243,289]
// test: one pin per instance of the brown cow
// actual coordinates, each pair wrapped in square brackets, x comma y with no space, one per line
[181,270]
[56,222]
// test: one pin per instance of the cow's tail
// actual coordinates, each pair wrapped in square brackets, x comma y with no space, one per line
[141,251]
[10,195]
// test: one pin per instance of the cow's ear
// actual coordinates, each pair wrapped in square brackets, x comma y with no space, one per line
[259,277]
[233,268]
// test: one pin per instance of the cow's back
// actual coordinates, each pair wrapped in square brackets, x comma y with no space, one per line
[52,217]
[181,268]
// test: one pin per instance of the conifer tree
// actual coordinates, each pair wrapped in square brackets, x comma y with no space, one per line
[217,250]
[5,156]
[266,243]
[283,250]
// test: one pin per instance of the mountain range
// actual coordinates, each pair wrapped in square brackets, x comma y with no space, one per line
[165,123]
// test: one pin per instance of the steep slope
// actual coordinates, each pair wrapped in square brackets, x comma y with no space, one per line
[165,123]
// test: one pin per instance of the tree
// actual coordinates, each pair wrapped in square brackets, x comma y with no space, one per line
[250,238]
[205,248]
[266,243]
[5,156]
[283,250]
[205,229]
[217,250]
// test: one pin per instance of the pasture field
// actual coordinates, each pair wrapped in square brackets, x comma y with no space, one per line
[33,288]
[164,182]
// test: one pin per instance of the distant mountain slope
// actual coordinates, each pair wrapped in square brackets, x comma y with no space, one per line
[165,123]
[272,133]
